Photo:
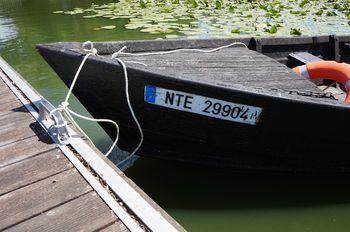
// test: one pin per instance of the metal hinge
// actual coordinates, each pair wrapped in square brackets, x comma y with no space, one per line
[58,129]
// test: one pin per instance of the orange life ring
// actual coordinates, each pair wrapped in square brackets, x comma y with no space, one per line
[332,70]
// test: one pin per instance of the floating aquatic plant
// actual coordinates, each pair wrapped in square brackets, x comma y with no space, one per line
[110,27]
[235,31]
[295,31]
[224,18]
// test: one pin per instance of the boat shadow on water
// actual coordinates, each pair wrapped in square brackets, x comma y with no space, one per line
[183,186]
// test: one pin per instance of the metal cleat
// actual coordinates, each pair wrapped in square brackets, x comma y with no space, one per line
[58,128]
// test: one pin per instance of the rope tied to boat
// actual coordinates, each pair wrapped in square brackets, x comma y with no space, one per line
[89,48]
[64,106]
[129,104]
[120,51]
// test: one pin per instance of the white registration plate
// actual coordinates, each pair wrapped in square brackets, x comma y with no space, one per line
[207,106]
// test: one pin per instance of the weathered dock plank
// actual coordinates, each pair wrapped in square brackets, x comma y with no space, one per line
[38,184]
[46,186]
[8,105]
[32,170]
[7,97]
[117,226]
[13,152]
[9,134]
[32,200]
[14,117]
[80,210]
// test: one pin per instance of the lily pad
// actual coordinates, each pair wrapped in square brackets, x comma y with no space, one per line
[272,29]
[110,27]
[90,16]
[235,31]
[215,18]
[295,31]
[171,36]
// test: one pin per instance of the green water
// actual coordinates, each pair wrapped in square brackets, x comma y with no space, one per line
[200,199]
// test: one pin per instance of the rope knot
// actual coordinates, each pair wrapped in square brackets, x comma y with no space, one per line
[114,55]
[61,107]
[90,48]
[64,105]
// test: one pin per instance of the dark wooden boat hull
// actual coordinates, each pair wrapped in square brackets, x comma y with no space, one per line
[292,134]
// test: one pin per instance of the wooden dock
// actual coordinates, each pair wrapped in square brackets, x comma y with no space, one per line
[50,187]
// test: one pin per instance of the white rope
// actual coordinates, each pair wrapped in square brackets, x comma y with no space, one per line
[129,105]
[120,52]
[175,50]
[100,120]
[76,77]
[63,107]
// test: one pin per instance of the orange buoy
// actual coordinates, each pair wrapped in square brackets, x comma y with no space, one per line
[339,72]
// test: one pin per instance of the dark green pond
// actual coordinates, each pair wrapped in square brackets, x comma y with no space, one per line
[200,199]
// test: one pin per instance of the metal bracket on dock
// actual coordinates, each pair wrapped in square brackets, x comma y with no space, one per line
[58,129]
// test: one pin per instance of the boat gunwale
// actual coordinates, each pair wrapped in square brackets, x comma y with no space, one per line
[75,49]
[169,44]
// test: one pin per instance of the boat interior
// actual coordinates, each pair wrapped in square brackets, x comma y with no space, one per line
[263,63]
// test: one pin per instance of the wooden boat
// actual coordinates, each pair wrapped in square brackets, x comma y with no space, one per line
[240,107]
